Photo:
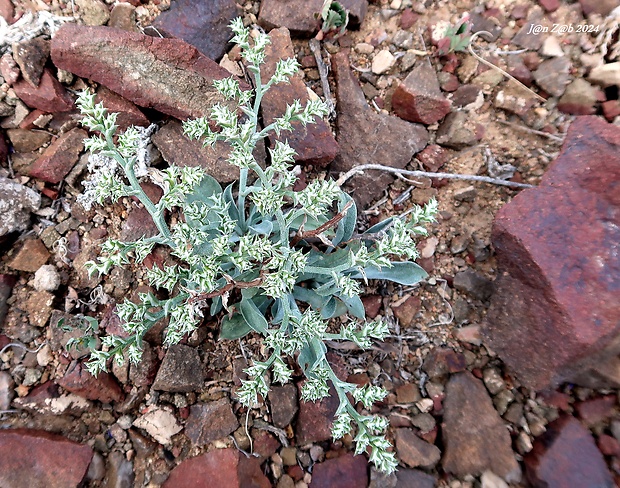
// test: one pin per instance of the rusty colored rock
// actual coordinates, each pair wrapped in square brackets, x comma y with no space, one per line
[475,436]
[31,256]
[60,157]
[315,418]
[103,387]
[366,137]
[128,113]
[32,458]
[168,75]
[555,312]
[208,422]
[418,98]
[221,467]
[565,457]
[49,96]
[201,23]
[314,143]
[442,361]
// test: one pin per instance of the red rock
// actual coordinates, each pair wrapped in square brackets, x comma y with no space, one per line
[103,387]
[347,471]
[596,410]
[408,18]
[60,157]
[368,137]
[298,16]
[566,456]
[557,399]
[9,69]
[466,95]
[601,7]
[608,445]
[442,361]
[372,305]
[418,98]
[447,81]
[128,113]
[50,96]
[549,5]
[406,311]
[475,437]
[555,312]
[315,418]
[210,421]
[433,157]
[201,23]
[7,11]
[168,75]
[414,451]
[143,373]
[265,445]
[611,109]
[32,255]
[220,467]
[314,143]
[37,459]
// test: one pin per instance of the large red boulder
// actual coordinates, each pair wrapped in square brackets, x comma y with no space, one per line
[555,315]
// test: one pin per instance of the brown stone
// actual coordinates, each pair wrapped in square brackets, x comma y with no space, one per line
[347,471]
[418,98]
[555,313]
[442,361]
[26,140]
[220,467]
[60,157]
[176,148]
[49,96]
[315,418]
[566,456]
[103,387]
[208,422]
[31,56]
[123,16]
[457,131]
[201,23]
[168,75]
[283,403]
[406,311]
[367,137]
[32,255]
[579,98]
[37,459]
[128,113]
[414,451]
[180,371]
[414,478]
[476,439]
[314,143]
[596,410]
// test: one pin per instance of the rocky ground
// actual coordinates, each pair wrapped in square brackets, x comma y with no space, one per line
[501,367]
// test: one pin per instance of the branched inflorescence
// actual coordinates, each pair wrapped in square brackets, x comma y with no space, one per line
[282,263]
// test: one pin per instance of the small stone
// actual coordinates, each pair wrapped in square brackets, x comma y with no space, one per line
[566,455]
[364,48]
[9,69]
[466,194]
[96,469]
[596,410]
[403,39]
[143,373]
[103,387]
[6,390]
[120,472]
[123,16]
[38,306]
[414,478]
[128,113]
[600,7]
[551,47]
[424,421]
[31,56]
[24,140]
[474,284]
[60,157]
[160,424]
[408,393]
[514,99]
[49,96]
[490,480]
[46,278]
[208,422]
[289,456]
[493,380]
[202,23]
[553,75]
[433,157]
[347,471]
[456,132]
[414,451]
[382,62]
[475,436]
[468,97]
[283,403]
[406,311]
[16,203]
[418,98]
[32,255]
[608,445]
[580,98]
[180,371]
[606,75]
[93,12]
[443,361]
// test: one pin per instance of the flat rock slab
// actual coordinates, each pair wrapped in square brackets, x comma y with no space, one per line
[180,371]
[299,15]
[366,137]
[60,157]
[555,313]
[314,143]
[346,471]
[220,467]
[49,95]
[208,422]
[40,459]
[201,23]
[565,457]
[476,438]
[103,387]
[168,75]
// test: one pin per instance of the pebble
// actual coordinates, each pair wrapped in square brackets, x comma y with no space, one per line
[6,390]
[46,278]
[382,62]
[160,424]
[490,480]
[364,48]
[493,380]
[551,47]
[606,74]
